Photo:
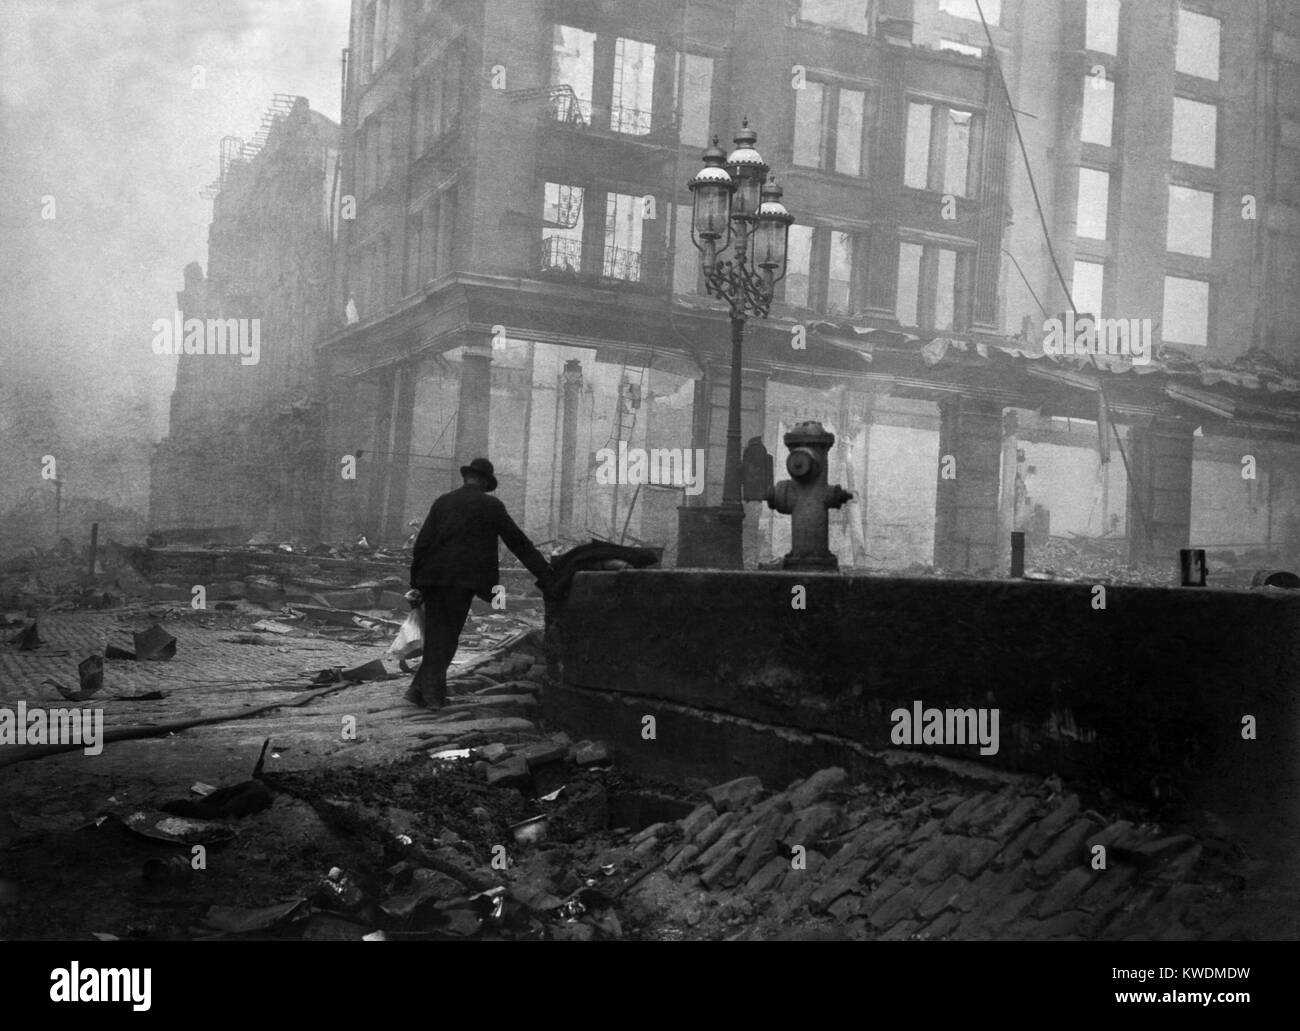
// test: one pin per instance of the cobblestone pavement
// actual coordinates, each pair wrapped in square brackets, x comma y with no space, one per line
[212,674]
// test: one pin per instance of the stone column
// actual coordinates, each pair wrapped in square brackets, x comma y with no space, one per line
[399,466]
[966,504]
[473,415]
[572,385]
[376,478]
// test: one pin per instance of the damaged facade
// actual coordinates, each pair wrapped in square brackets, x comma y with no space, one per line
[519,282]
[243,449]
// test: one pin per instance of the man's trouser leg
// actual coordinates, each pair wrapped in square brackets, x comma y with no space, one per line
[444,612]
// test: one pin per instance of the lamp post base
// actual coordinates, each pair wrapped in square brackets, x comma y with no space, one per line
[710,537]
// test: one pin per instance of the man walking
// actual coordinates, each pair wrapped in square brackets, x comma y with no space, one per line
[455,559]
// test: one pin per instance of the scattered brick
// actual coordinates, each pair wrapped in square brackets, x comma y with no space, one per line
[735,794]
[957,818]
[509,772]
[892,901]
[730,845]
[1067,849]
[1064,892]
[698,818]
[706,838]
[848,879]
[542,752]
[683,857]
[761,847]
[942,897]
[901,931]
[1052,824]
[589,753]
[815,787]
[814,821]
[978,853]
[1020,814]
[769,875]
[494,752]
[941,926]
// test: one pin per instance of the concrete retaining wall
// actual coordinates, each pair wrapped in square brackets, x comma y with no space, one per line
[1145,697]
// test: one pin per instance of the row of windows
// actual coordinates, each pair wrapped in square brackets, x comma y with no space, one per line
[1198,35]
[830,131]
[383,275]
[830,123]
[1189,222]
[855,15]
[1195,130]
[1194,141]
[826,269]
[641,93]
[436,101]
[1186,316]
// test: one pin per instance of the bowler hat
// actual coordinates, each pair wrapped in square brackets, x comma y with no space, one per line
[481,467]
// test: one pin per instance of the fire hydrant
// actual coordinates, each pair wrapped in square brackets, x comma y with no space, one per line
[807,498]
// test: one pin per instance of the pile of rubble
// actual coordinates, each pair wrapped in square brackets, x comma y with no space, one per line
[1020,862]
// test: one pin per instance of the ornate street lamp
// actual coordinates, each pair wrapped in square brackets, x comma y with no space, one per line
[736,206]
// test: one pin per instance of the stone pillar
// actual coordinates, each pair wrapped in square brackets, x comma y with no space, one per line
[966,504]
[380,455]
[399,466]
[473,415]
[572,384]
[1159,491]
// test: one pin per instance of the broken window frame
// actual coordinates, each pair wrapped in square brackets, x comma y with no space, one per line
[928,285]
[1086,172]
[1083,303]
[1204,234]
[1110,92]
[1101,20]
[822,241]
[833,21]
[1188,18]
[1166,322]
[598,257]
[1178,135]
[828,127]
[938,141]
[967,11]
[682,93]
[603,110]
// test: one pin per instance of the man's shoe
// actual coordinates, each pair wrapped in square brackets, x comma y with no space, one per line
[413,696]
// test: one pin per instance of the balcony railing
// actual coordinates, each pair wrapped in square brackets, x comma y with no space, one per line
[567,258]
[567,108]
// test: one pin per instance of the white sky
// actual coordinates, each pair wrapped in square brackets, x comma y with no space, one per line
[98,111]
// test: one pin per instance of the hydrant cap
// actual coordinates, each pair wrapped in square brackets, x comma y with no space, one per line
[809,434]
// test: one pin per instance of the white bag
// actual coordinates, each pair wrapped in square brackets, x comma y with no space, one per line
[410,638]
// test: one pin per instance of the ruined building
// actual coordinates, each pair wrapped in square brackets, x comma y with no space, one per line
[519,279]
[513,273]
[243,448]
